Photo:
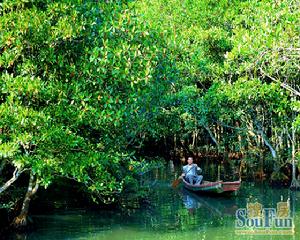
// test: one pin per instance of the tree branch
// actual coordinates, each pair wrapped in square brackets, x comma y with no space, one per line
[260,132]
[211,135]
[15,176]
[268,144]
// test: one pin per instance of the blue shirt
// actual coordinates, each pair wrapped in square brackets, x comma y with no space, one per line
[191,169]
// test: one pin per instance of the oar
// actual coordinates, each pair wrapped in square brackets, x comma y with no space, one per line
[176,182]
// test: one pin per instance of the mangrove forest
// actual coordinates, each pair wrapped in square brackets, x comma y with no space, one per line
[107,105]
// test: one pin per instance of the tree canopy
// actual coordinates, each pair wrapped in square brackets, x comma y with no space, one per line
[86,85]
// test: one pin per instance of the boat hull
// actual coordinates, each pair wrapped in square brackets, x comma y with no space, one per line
[218,187]
[231,186]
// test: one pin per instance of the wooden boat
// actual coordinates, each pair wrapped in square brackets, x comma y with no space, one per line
[218,187]
[231,186]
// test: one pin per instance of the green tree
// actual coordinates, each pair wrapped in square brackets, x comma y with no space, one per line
[71,74]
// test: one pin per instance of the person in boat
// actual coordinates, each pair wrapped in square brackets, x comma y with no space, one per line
[189,172]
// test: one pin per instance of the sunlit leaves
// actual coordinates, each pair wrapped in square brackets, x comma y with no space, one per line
[8,150]
[71,77]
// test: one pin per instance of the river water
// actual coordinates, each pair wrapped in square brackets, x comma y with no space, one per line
[168,215]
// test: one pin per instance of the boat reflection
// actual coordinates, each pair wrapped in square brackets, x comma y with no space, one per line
[217,206]
[190,202]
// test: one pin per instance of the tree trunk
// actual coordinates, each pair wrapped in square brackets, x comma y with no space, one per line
[2,164]
[294,184]
[22,220]
[193,139]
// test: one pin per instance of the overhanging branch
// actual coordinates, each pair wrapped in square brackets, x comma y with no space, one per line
[16,174]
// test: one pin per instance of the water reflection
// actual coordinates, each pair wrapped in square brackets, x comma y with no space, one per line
[170,214]
[215,205]
[190,202]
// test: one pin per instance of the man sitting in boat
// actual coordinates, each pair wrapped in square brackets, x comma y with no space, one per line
[190,172]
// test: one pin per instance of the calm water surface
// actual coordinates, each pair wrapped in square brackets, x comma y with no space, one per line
[170,214]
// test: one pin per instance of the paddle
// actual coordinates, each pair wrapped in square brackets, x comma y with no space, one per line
[176,182]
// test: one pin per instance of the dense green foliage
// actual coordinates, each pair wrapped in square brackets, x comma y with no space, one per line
[85,85]
[71,74]
[237,70]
